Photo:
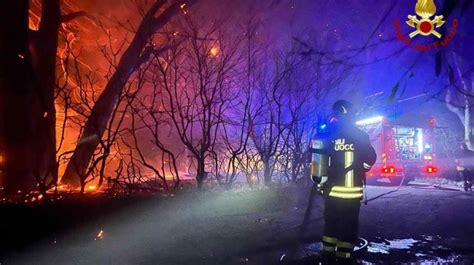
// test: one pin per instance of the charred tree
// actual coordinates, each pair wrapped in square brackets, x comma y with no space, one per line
[44,45]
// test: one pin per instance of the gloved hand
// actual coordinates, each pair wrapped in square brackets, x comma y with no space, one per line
[322,185]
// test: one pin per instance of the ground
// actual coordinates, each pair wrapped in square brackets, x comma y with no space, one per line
[417,223]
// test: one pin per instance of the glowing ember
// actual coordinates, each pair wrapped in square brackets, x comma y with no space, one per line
[184,9]
[99,235]
[92,187]
[214,51]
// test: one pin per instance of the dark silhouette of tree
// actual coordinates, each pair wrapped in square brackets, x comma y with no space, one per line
[29,114]
[18,98]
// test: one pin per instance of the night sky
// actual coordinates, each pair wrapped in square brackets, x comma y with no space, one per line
[355,33]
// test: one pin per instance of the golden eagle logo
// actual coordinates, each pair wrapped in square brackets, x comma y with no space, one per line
[425,26]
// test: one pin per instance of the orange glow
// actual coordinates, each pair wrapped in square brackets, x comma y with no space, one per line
[253,179]
[33,20]
[62,187]
[92,187]
[100,235]
[214,51]
[90,62]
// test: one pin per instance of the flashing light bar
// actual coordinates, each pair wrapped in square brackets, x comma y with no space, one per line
[419,136]
[368,121]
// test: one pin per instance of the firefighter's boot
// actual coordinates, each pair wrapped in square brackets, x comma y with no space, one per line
[344,252]
[329,250]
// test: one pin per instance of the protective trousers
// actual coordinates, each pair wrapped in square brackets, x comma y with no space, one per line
[341,218]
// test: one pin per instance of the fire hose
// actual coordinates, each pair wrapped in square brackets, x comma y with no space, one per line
[367,200]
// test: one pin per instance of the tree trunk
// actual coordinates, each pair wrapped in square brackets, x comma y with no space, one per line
[201,172]
[17,98]
[97,121]
[467,123]
[44,49]
[294,174]
[463,114]
[267,175]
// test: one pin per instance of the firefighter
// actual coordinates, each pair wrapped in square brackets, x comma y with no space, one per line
[351,155]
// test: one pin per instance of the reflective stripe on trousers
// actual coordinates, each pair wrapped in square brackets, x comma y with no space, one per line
[342,249]
[329,244]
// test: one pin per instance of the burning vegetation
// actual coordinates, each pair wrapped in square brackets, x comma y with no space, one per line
[143,96]
[162,98]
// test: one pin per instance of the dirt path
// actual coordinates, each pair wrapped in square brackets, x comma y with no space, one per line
[249,226]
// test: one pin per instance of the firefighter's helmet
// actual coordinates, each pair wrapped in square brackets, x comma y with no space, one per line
[342,108]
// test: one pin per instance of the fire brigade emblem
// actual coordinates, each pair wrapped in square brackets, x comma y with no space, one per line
[424,25]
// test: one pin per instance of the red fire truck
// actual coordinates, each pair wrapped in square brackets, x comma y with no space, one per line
[403,151]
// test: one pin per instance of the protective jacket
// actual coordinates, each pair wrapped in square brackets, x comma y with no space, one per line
[351,155]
